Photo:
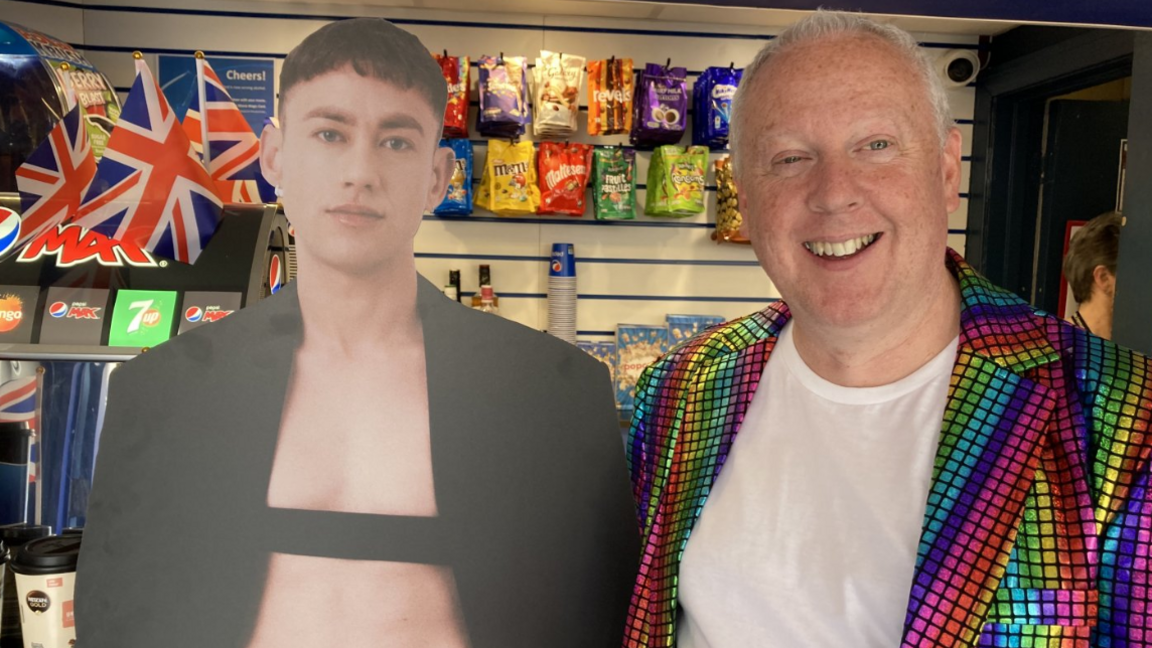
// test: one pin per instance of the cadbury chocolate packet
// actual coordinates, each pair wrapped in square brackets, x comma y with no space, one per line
[458,199]
[614,186]
[676,181]
[564,172]
[610,96]
[660,109]
[508,186]
[712,106]
[503,89]
[455,69]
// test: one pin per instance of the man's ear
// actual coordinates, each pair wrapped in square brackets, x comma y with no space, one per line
[443,166]
[1104,282]
[271,144]
[950,168]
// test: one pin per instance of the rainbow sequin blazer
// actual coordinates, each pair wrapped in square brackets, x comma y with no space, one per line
[1038,525]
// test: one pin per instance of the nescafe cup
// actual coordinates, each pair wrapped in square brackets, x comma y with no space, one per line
[45,581]
[15,536]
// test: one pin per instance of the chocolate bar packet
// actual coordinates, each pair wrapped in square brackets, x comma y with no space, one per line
[563,172]
[614,188]
[455,69]
[610,96]
[458,199]
[508,186]
[660,109]
[712,106]
[557,78]
[503,89]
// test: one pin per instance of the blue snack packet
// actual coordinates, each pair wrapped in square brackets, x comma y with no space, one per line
[458,199]
[712,106]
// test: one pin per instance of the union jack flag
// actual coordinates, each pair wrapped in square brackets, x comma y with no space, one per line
[233,153]
[53,179]
[151,188]
[18,400]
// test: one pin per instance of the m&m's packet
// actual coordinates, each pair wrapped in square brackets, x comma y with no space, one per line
[508,186]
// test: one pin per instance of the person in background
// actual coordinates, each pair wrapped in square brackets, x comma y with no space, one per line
[1090,268]
[899,453]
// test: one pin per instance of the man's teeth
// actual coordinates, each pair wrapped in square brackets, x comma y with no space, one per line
[840,249]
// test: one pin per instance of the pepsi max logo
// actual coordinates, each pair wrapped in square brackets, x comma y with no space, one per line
[9,230]
[58,309]
[274,280]
[194,314]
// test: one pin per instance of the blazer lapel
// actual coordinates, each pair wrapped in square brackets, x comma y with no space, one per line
[995,426]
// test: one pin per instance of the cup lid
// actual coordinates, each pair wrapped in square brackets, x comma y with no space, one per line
[51,555]
[17,534]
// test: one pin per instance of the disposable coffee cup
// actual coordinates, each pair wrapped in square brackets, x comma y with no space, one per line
[45,582]
[14,536]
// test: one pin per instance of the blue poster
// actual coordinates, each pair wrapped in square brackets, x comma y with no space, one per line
[249,81]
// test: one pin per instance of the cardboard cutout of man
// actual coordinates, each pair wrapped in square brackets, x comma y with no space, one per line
[899,453]
[358,460]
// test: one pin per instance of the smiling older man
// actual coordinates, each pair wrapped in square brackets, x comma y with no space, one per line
[926,460]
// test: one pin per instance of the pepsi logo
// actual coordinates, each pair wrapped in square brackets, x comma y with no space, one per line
[58,309]
[151,317]
[556,267]
[194,314]
[9,230]
[274,279]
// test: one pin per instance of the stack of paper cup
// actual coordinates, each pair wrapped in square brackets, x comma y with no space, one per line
[562,293]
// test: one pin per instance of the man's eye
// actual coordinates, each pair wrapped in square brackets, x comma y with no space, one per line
[328,136]
[879,145]
[791,159]
[397,144]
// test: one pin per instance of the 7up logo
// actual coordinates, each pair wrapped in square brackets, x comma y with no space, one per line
[143,315]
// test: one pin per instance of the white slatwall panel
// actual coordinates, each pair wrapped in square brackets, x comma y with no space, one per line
[692,275]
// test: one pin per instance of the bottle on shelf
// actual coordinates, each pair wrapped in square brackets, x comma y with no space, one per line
[488,301]
[485,280]
[454,281]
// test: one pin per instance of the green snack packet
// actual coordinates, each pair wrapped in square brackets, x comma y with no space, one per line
[614,183]
[676,181]
[656,195]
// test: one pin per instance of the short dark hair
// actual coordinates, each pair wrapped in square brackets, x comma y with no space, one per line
[1095,244]
[374,48]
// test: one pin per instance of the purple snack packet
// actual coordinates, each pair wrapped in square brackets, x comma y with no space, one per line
[503,96]
[660,106]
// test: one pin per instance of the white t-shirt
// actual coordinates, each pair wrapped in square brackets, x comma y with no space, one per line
[809,536]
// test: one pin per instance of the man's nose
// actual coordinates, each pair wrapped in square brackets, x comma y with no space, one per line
[835,187]
[360,165]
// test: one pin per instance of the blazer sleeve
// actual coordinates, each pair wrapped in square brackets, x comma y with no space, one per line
[1122,477]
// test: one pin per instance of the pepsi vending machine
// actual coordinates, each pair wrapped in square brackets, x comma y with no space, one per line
[73,305]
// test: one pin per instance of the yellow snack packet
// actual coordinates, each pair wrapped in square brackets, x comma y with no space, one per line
[508,185]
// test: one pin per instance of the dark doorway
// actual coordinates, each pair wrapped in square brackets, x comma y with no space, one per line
[1079,178]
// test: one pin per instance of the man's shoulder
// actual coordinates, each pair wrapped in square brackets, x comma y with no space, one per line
[731,337]
[213,348]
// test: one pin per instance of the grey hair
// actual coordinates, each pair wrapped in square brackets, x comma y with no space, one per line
[823,23]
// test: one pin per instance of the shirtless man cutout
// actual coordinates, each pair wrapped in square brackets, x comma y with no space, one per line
[358,162]
[358,460]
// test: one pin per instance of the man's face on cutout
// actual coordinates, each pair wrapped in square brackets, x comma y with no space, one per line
[358,162]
